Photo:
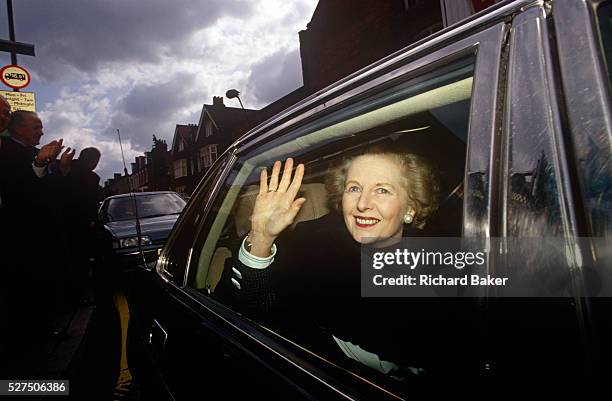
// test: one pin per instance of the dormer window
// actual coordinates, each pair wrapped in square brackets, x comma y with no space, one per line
[209,128]
[181,146]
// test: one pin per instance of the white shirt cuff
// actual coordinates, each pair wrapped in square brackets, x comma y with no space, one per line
[254,261]
[39,171]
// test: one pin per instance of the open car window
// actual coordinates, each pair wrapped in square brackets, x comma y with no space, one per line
[427,116]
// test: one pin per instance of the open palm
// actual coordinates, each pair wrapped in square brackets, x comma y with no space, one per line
[276,207]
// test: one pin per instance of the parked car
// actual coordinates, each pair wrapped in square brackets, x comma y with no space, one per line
[151,213]
[514,105]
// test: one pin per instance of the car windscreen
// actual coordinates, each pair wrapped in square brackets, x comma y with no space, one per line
[147,206]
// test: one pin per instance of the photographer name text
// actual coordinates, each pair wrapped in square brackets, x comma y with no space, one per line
[439,281]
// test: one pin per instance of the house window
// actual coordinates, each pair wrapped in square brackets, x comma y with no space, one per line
[180,168]
[209,128]
[208,155]
[181,145]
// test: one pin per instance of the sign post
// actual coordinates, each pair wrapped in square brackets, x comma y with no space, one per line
[13,46]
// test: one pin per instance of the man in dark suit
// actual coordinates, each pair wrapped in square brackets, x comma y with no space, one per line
[24,194]
[30,246]
[81,209]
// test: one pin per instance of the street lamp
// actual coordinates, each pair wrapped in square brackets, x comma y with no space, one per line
[233,93]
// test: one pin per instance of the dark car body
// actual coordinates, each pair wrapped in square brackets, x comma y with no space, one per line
[531,82]
[157,228]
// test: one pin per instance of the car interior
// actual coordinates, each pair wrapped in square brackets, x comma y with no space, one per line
[432,123]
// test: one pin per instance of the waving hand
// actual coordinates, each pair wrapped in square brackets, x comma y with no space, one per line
[275,207]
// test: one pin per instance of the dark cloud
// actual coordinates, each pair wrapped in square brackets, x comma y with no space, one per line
[154,109]
[85,35]
[275,76]
[152,101]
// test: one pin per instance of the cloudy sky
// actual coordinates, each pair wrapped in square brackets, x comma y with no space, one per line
[143,66]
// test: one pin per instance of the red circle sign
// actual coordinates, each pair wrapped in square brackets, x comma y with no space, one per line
[15,76]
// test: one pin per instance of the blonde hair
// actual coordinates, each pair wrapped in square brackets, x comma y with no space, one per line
[419,179]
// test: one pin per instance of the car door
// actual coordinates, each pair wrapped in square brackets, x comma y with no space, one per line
[547,237]
[585,68]
[204,345]
[146,291]
[189,354]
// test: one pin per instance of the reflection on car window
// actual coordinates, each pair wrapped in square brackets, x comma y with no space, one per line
[148,206]
[405,150]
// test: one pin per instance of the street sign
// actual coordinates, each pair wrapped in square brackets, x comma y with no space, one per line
[15,76]
[20,100]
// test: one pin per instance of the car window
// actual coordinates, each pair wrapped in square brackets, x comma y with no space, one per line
[425,119]
[174,259]
[147,206]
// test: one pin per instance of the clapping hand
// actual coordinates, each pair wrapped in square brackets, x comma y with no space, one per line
[275,207]
[49,151]
[66,160]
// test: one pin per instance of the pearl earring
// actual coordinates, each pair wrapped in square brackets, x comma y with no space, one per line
[409,216]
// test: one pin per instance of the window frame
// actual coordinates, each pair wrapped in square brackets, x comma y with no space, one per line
[182,166]
[207,151]
[484,123]
[198,205]
[589,119]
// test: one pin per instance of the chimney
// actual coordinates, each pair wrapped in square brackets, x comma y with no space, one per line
[134,166]
[117,176]
[218,101]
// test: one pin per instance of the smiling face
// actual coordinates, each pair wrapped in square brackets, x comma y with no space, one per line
[374,201]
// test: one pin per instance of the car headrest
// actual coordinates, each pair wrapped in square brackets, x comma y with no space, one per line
[314,208]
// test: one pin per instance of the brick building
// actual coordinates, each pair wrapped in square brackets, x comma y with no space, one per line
[149,172]
[183,158]
[118,184]
[196,147]
[344,36]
